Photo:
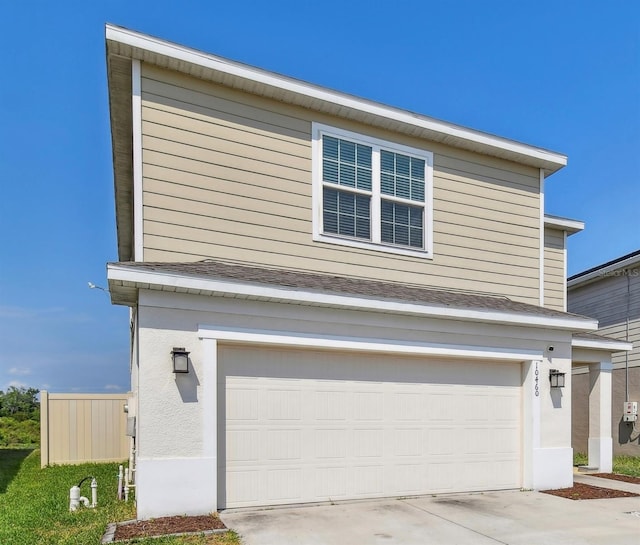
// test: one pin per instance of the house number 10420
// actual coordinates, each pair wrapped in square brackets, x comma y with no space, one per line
[536,388]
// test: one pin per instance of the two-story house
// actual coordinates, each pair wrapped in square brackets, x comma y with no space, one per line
[371,301]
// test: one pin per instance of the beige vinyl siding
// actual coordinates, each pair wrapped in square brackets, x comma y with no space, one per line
[554,269]
[611,300]
[228,175]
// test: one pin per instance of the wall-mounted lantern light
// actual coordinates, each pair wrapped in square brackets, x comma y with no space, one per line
[180,359]
[556,378]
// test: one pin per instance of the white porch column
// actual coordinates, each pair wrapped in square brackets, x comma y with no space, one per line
[600,442]
[210,417]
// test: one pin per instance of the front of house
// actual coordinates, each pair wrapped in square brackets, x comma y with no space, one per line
[372,301]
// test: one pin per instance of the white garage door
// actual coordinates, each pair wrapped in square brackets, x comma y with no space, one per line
[308,426]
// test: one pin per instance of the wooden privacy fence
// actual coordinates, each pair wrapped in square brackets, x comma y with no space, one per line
[76,428]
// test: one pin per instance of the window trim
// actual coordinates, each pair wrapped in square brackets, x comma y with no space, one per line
[317,131]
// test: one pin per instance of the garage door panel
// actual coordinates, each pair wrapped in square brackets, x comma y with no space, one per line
[243,446]
[370,426]
[408,405]
[330,482]
[242,403]
[330,405]
[440,441]
[367,480]
[284,484]
[408,478]
[407,442]
[506,440]
[243,487]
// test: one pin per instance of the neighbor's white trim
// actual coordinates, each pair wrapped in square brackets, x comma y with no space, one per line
[612,345]
[603,271]
[148,279]
[319,129]
[136,119]
[541,272]
[565,224]
[362,344]
[141,43]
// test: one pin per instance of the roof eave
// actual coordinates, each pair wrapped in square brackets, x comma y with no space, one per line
[124,283]
[603,271]
[134,45]
[610,345]
[567,225]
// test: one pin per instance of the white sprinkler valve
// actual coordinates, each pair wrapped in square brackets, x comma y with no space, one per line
[75,499]
[94,492]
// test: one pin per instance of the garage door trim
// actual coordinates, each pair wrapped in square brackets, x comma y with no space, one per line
[338,342]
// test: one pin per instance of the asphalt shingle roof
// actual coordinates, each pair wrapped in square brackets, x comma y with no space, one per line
[343,285]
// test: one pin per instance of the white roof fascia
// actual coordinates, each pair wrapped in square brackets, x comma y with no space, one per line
[170,50]
[604,271]
[564,224]
[618,346]
[146,279]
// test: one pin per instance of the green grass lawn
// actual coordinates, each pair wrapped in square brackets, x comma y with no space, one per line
[34,505]
[626,465]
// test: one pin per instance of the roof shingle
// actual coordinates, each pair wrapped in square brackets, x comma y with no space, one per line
[343,285]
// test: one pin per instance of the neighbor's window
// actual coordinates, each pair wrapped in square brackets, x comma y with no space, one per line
[371,193]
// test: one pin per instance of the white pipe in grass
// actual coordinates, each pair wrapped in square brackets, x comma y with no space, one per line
[120,478]
[94,492]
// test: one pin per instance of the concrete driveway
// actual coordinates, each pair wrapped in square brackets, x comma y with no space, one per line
[511,517]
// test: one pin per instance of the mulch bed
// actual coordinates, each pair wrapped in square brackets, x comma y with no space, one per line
[616,477]
[580,491]
[168,525]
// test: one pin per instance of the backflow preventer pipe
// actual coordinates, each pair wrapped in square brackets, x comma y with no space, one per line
[75,499]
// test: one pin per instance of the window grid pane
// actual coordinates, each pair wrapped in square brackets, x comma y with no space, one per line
[349,191]
[402,175]
[347,214]
[402,224]
[346,163]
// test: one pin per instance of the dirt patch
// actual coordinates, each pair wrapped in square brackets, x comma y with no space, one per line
[581,491]
[617,477]
[168,525]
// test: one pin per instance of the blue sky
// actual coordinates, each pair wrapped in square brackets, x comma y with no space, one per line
[563,75]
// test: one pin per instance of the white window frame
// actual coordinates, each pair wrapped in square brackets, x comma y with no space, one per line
[317,131]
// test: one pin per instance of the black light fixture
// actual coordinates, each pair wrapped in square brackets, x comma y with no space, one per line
[180,359]
[556,378]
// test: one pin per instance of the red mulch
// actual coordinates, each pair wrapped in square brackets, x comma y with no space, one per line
[617,477]
[580,491]
[168,525]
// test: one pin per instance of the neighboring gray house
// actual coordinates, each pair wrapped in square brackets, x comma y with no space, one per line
[610,293]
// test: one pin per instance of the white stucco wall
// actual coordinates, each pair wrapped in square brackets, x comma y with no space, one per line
[171,419]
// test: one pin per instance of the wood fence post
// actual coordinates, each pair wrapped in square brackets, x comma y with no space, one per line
[44,428]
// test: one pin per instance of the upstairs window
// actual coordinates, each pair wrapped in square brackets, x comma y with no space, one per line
[371,193]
